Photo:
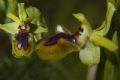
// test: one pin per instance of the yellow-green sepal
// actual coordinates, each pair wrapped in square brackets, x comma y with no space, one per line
[11,28]
[99,40]
[33,13]
[38,31]
[22,12]
[105,26]
[14,18]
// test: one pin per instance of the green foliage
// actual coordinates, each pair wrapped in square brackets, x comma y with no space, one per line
[2,5]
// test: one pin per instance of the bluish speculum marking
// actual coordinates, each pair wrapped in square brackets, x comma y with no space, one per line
[54,39]
[23,37]
[22,40]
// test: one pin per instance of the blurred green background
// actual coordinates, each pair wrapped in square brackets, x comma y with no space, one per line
[55,12]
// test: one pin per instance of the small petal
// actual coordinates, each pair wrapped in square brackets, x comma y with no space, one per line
[84,36]
[81,17]
[87,30]
[90,54]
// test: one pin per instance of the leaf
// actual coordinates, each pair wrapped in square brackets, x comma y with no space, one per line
[115,37]
[109,72]
[90,55]
[21,12]
[104,28]
[99,40]
[11,28]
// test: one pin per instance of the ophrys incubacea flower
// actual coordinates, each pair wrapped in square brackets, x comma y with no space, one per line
[93,39]
[20,29]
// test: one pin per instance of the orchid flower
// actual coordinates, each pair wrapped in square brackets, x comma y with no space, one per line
[91,40]
[19,29]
